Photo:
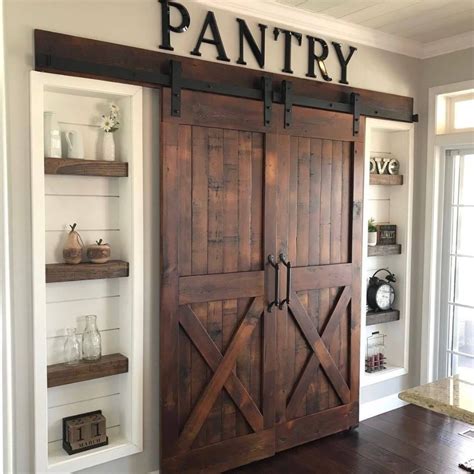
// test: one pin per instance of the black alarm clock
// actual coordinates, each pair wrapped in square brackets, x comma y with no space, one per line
[380,293]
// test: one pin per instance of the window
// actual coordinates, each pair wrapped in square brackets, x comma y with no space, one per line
[455,112]
[463,114]
[457,275]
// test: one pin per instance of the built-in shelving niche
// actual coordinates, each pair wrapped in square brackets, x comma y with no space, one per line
[389,200]
[105,199]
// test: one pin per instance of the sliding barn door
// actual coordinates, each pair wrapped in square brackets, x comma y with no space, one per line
[320,184]
[239,379]
[217,339]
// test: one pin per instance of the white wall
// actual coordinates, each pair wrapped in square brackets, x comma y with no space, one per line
[135,23]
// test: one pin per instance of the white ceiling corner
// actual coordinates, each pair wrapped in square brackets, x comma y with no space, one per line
[303,20]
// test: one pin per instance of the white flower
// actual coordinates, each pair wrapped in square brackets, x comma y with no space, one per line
[107,123]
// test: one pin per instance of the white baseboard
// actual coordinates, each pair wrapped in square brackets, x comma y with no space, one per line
[382,405]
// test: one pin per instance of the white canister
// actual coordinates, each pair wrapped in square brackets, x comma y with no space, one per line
[52,136]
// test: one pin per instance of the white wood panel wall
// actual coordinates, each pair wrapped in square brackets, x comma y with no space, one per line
[94,204]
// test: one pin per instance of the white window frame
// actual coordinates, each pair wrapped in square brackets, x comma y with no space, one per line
[438,142]
[446,250]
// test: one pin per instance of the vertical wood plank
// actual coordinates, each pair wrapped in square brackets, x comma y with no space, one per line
[256,260]
[231,251]
[215,259]
[325,255]
[245,206]
[336,219]
[169,287]
[281,222]
[312,397]
[302,248]
[185,184]
[292,330]
[270,240]
[200,169]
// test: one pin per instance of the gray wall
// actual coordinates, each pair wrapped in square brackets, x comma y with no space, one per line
[137,24]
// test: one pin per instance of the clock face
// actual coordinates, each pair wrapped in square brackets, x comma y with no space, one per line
[384,297]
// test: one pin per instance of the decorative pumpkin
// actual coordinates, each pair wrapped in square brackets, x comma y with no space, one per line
[72,250]
[99,253]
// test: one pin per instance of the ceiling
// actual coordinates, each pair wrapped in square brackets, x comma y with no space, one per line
[423,21]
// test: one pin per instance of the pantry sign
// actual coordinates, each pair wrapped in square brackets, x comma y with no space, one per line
[318,49]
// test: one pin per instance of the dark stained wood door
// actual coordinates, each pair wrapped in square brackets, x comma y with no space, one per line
[319,228]
[239,382]
[217,339]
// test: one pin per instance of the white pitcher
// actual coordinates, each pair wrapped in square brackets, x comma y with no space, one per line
[52,136]
[75,144]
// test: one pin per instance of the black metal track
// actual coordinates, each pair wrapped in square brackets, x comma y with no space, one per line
[64,65]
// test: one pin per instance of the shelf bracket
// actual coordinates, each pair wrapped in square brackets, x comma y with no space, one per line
[287,96]
[267,100]
[176,85]
[355,102]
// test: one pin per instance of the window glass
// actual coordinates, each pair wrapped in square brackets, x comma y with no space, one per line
[465,233]
[464,114]
[463,330]
[466,192]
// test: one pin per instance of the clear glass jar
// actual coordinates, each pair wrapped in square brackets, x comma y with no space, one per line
[91,341]
[72,348]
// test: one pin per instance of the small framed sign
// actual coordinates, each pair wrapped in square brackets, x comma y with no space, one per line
[84,432]
[386,234]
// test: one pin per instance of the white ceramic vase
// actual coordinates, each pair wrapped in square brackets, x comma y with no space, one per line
[108,147]
[52,136]
[372,239]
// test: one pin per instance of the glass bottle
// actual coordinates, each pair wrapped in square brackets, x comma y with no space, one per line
[91,341]
[72,348]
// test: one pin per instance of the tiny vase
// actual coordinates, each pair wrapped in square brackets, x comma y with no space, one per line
[91,341]
[108,147]
[72,348]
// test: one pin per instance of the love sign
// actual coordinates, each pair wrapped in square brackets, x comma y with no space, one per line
[384,165]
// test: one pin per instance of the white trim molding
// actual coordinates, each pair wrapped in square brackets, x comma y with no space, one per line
[340,29]
[433,227]
[448,45]
[382,405]
[6,378]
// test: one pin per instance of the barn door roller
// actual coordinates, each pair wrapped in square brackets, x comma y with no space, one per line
[355,102]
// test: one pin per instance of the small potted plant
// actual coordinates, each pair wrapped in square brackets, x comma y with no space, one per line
[372,232]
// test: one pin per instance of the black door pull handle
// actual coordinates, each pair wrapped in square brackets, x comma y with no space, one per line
[276,266]
[288,280]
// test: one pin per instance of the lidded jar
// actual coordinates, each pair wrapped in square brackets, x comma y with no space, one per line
[91,340]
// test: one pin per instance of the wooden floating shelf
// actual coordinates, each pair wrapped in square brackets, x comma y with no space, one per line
[71,166]
[378,317]
[383,250]
[386,179]
[58,272]
[62,374]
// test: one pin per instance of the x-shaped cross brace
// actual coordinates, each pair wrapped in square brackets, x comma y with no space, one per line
[320,354]
[224,374]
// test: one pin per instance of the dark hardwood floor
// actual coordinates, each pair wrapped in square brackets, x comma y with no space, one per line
[407,440]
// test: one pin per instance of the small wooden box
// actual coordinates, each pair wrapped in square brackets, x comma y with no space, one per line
[386,234]
[84,432]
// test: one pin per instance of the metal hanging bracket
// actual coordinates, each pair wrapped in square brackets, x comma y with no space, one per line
[267,100]
[287,96]
[355,102]
[176,85]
